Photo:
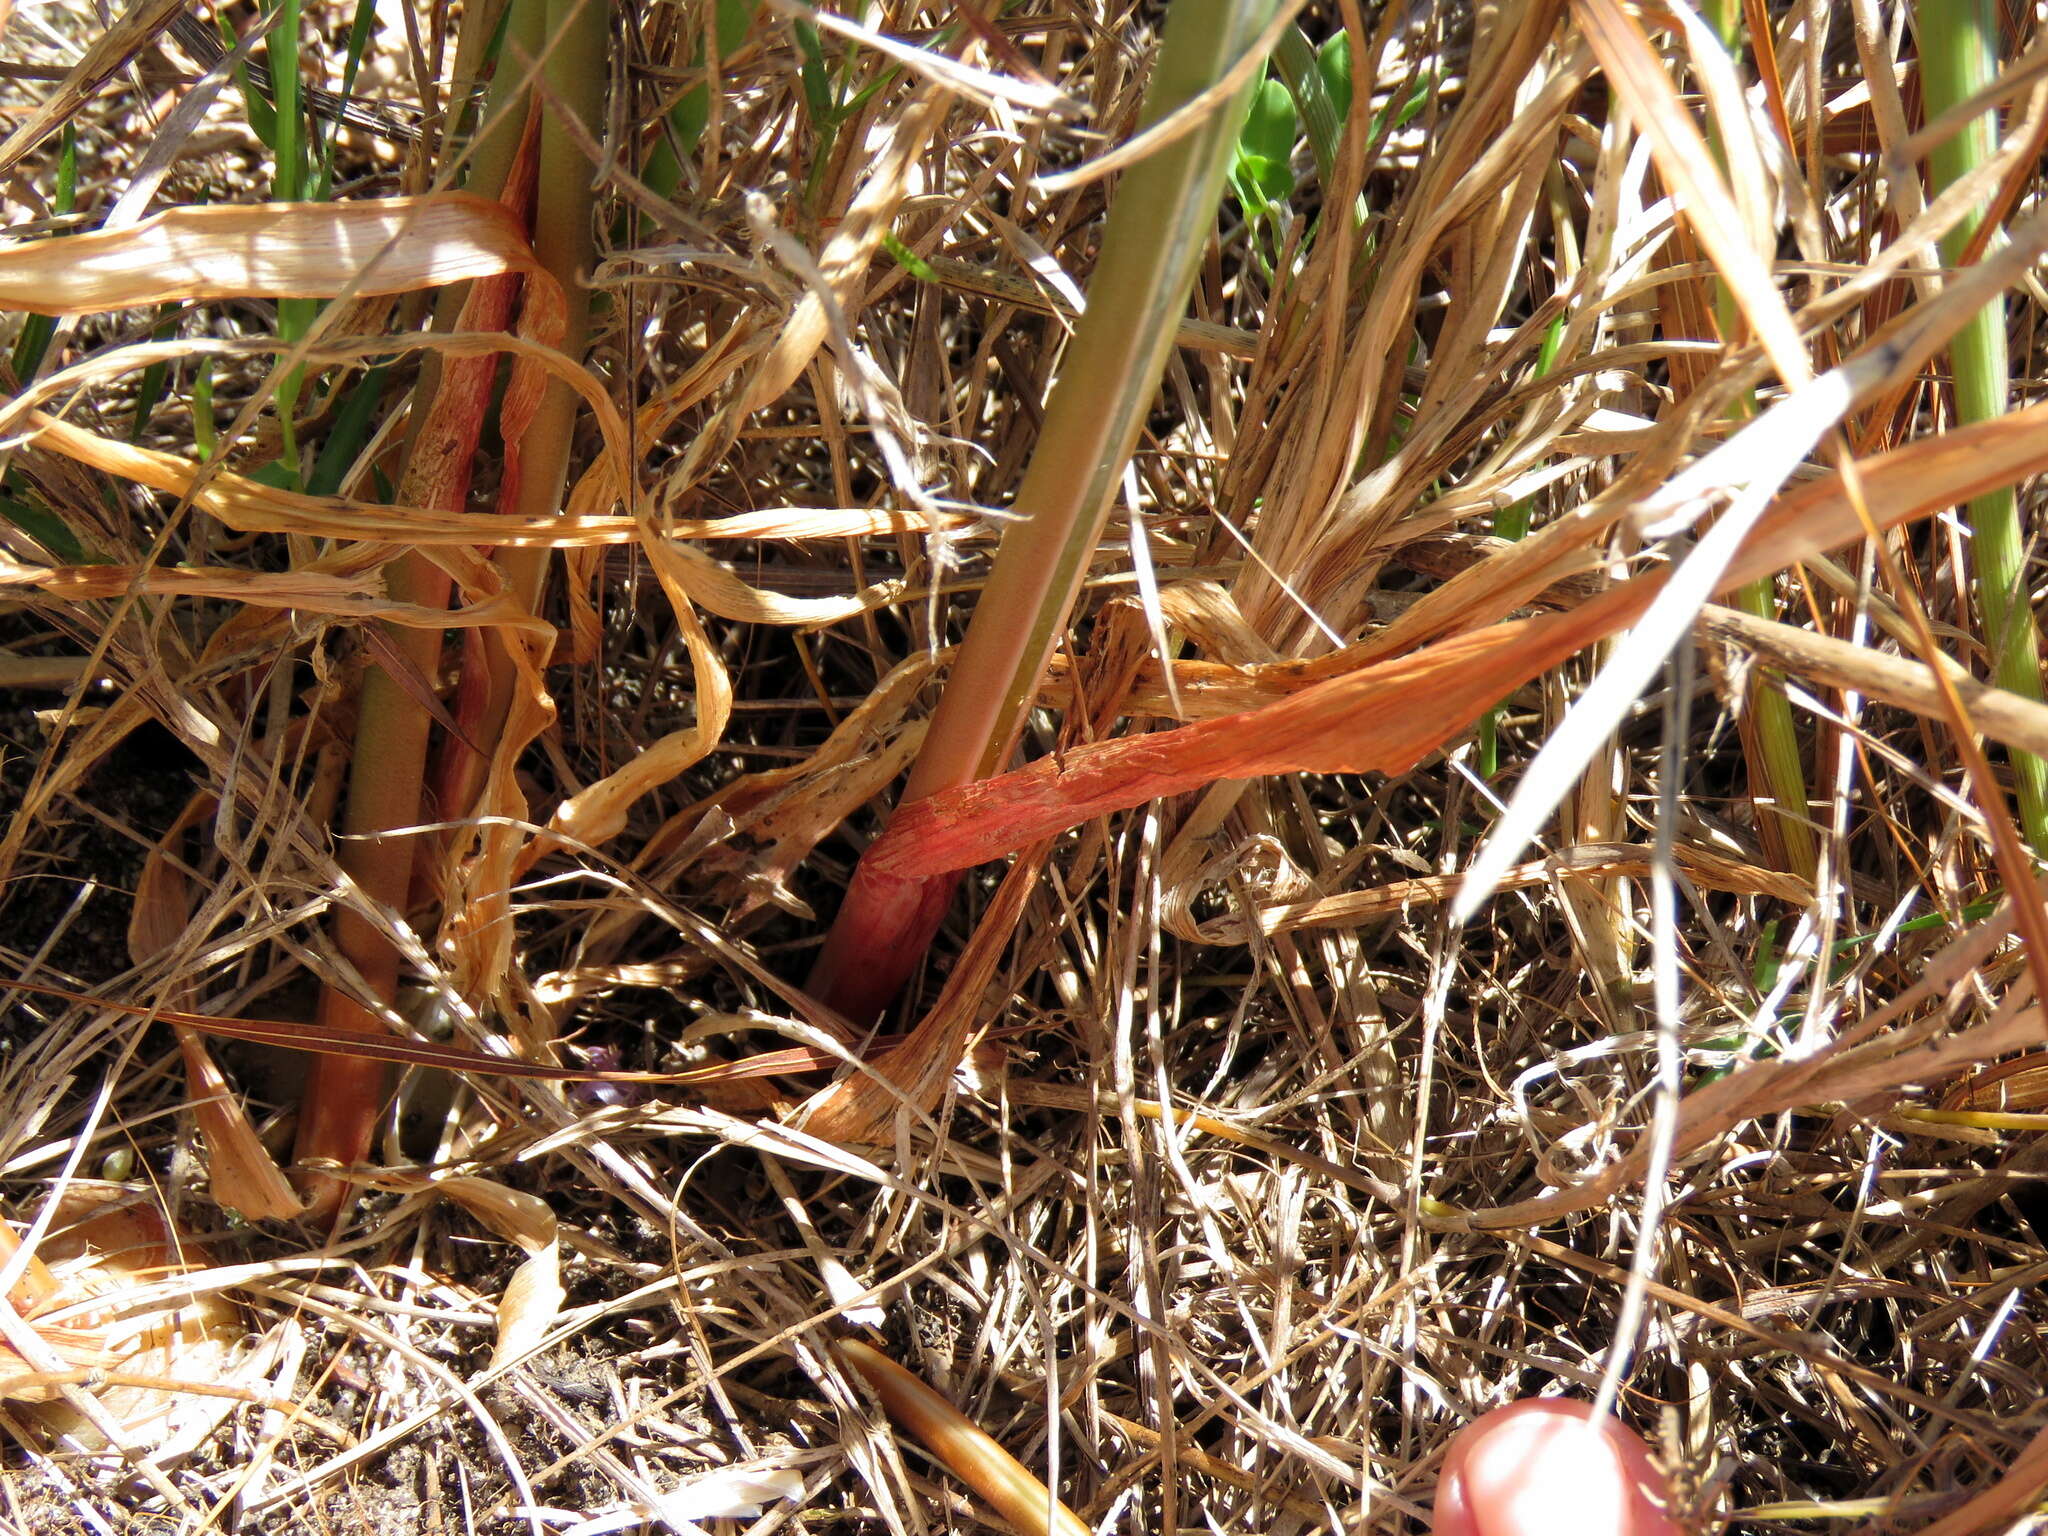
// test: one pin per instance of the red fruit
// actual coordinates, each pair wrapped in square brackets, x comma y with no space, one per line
[1543,1467]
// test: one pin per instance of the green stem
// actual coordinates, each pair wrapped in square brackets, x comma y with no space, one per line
[1771,740]
[1959,57]
[565,243]
[294,316]
[1159,223]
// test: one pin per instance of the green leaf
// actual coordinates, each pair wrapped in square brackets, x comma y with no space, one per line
[817,85]
[1333,63]
[352,428]
[281,47]
[1405,110]
[688,117]
[203,436]
[1269,124]
[47,529]
[33,340]
[1260,172]
[149,393]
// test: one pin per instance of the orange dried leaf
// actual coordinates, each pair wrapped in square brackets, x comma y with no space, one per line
[1385,716]
[976,1459]
[244,1176]
[1379,719]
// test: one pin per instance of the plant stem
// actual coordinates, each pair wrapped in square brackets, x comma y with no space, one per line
[393,731]
[338,1113]
[564,241]
[1959,57]
[1159,223]
[1770,736]
[294,316]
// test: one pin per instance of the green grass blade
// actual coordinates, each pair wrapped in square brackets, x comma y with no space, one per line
[36,330]
[1771,735]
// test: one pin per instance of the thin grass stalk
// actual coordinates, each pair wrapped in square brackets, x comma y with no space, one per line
[289,185]
[575,71]
[1770,737]
[1159,223]
[1959,57]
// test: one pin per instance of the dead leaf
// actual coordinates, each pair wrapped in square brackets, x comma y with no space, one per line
[1387,715]
[289,250]
[117,1307]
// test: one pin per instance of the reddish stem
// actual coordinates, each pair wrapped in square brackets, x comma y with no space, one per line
[885,925]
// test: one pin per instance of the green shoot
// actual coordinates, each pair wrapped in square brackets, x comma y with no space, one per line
[1770,735]
[1261,175]
[36,330]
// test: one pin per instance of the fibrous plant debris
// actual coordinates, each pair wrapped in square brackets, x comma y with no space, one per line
[623,406]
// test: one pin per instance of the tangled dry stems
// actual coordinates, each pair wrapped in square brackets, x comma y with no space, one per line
[1181,1329]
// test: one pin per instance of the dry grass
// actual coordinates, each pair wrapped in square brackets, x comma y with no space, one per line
[1261,1177]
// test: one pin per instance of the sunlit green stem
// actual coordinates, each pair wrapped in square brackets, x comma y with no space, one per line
[1958,58]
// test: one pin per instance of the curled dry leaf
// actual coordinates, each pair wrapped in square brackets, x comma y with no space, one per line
[599,812]
[102,1297]
[755,864]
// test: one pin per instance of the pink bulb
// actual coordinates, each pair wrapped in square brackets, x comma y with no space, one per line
[1542,1467]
